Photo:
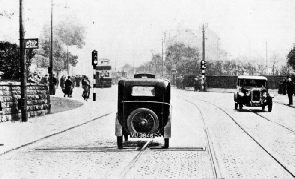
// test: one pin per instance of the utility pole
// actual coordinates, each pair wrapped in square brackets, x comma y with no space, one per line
[51,54]
[23,100]
[266,58]
[162,56]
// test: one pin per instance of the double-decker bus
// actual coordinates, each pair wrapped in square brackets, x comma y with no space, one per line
[103,73]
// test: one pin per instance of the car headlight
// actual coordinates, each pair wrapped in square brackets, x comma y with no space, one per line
[241,94]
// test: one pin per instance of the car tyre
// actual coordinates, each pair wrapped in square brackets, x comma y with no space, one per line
[236,106]
[166,143]
[119,142]
[240,106]
[269,105]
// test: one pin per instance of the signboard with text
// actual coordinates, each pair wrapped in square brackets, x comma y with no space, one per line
[31,43]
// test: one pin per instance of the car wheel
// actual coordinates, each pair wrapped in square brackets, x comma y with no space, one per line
[240,106]
[236,106]
[166,143]
[143,120]
[120,142]
[269,105]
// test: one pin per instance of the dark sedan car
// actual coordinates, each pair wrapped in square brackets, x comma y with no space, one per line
[252,91]
[143,109]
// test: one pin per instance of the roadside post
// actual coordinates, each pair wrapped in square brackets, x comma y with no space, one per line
[94,63]
[203,62]
[203,67]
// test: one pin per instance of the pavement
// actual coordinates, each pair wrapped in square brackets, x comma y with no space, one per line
[15,135]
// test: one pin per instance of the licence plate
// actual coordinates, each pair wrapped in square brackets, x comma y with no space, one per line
[142,135]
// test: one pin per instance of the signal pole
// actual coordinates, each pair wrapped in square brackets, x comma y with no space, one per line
[94,63]
[203,59]
[23,100]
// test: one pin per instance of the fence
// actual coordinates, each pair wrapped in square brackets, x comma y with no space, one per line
[231,81]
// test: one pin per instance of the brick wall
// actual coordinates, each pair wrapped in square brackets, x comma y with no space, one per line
[38,100]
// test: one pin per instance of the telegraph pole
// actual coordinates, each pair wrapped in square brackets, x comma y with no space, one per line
[51,54]
[266,58]
[23,100]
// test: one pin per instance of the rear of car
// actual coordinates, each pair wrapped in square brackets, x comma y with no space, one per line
[143,109]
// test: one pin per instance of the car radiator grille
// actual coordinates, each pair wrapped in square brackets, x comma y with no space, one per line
[256,95]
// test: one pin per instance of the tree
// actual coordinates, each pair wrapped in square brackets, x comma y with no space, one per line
[68,32]
[291,58]
[10,60]
[183,58]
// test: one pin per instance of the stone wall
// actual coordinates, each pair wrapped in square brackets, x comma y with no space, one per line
[38,102]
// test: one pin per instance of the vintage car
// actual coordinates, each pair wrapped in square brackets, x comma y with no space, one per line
[252,91]
[143,110]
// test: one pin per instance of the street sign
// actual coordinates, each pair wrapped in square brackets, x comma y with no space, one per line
[31,43]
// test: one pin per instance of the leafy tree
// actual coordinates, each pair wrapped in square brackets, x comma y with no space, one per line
[68,32]
[10,60]
[291,58]
[183,58]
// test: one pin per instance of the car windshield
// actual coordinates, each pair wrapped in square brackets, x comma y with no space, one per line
[252,83]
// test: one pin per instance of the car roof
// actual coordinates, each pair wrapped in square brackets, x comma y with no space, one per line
[148,80]
[252,77]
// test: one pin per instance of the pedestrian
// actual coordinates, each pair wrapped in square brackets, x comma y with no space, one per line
[86,88]
[53,85]
[62,83]
[68,87]
[290,90]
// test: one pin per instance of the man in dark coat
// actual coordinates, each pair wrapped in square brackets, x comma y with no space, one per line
[290,90]
[68,87]
[86,88]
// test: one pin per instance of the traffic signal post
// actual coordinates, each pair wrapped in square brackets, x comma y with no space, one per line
[203,67]
[203,61]
[94,63]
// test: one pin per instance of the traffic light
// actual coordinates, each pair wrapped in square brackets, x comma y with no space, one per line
[203,64]
[94,58]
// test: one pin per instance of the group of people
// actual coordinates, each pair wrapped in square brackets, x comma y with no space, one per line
[35,78]
[67,86]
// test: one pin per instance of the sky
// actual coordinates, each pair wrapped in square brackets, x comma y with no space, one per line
[129,31]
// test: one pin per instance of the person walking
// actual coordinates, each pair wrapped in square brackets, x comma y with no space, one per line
[68,87]
[290,90]
[86,88]
[62,83]
[54,83]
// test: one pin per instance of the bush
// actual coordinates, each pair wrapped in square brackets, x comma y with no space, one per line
[10,60]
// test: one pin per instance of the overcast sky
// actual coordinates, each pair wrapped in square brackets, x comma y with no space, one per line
[126,31]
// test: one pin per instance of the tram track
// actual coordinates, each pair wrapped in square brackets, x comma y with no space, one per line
[214,163]
[264,148]
[135,159]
